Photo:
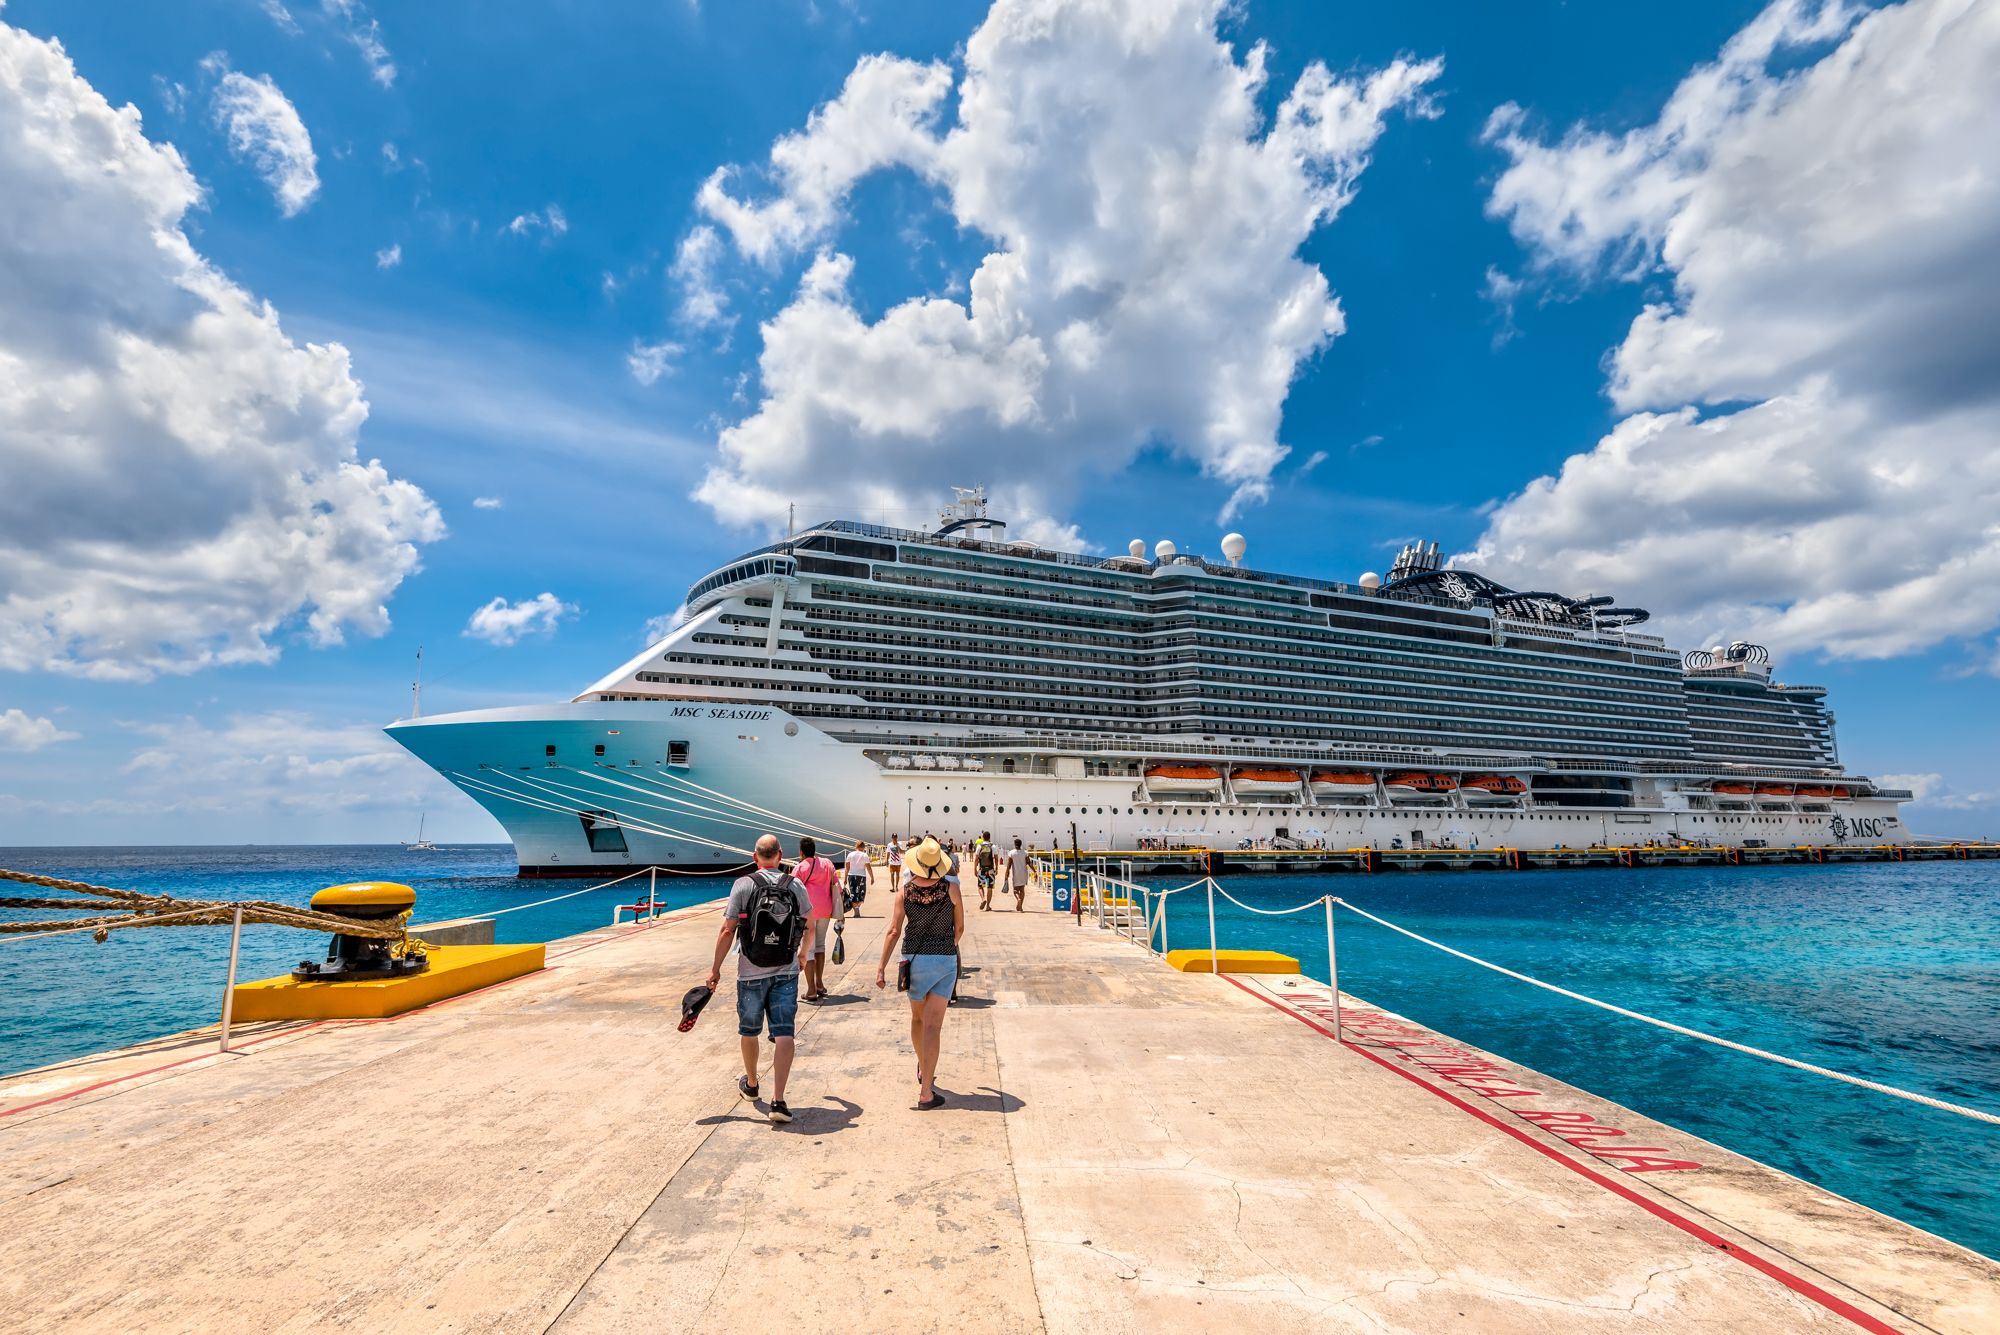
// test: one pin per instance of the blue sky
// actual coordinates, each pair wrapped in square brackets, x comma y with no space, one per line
[489,221]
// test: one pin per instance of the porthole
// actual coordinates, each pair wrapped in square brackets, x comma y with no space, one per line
[927,811]
[982,811]
[791,729]
[1017,811]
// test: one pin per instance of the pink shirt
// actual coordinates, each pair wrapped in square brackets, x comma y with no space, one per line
[816,875]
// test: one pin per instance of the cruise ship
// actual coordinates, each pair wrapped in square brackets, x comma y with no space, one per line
[856,682]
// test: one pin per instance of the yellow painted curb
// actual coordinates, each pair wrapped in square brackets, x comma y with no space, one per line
[454,971]
[1232,961]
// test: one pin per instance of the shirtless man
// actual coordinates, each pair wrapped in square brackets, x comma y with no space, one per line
[1019,874]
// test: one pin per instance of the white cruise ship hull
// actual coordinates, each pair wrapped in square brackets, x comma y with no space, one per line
[602,786]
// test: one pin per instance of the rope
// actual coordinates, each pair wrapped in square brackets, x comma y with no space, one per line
[129,908]
[1925,1099]
[571,895]
[1269,913]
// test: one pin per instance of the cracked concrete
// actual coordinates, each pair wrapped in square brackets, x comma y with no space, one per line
[1124,1149]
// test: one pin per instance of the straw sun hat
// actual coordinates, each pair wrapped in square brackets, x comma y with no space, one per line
[927,860]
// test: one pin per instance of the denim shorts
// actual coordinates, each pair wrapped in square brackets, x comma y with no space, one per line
[932,974]
[776,996]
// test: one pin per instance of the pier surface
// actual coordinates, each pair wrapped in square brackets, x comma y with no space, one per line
[1125,1148]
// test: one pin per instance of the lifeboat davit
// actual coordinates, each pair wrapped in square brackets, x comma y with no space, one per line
[1338,783]
[1204,779]
[1265,781]
[1419,785]
[1493,788]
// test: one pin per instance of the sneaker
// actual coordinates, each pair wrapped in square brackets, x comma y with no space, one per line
[745,1088]
[779,1112]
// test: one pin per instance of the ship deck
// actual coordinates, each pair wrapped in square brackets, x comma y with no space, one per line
[1125,1148]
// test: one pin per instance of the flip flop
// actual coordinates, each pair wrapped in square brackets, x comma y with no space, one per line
[937,1101]
[691,1005]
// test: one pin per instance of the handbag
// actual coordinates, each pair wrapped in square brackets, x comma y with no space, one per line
[839,946]
[903,976]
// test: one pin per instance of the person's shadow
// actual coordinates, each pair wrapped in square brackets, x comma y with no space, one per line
[972,1003]
[814,1120]
[989,1100]
[842,999]
[811,1119]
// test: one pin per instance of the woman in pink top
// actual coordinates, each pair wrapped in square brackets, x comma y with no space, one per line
[815,873]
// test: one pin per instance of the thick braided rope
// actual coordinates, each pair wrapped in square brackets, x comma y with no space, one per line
[1925,1099]
[137,910]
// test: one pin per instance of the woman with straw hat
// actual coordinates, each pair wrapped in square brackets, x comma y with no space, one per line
[928,917]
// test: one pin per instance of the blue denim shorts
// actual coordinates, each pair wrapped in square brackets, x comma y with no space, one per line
[932,974]
[776,997]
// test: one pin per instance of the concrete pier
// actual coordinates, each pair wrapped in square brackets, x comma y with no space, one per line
[1125,1148]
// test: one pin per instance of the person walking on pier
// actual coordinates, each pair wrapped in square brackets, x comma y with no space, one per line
[767,916]
[860,876]
[986,862]
[1019,874]
[895,859]
[815,873]
[927,917]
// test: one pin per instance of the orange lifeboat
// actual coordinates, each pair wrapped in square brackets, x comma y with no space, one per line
[1838,792]
[1816,792]
[1493,788]
[1328,782]
[1734,789]
[1420,785]
[1265,780]
[1773,794]
[1183,779]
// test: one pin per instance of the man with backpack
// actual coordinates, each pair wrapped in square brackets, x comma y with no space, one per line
[770,919]
[986,862]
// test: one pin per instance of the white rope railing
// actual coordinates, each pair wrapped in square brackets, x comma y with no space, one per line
[555,899]
[1926,1100]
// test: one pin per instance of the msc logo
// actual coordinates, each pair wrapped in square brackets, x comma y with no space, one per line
[1861,827]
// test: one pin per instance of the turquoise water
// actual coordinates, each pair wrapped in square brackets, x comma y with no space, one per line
[66,996]
[1890,972]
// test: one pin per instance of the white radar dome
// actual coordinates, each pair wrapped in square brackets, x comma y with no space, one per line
[1233,546]
[1371,580]
[1137,547]
[1164,550]
[1720,651]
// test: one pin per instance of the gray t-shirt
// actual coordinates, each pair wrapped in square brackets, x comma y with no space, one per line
[739,904]
[1017,866]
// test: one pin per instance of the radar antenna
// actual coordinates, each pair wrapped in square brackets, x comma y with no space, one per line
[968,515]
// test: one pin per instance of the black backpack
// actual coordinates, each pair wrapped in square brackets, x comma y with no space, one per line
[772,925]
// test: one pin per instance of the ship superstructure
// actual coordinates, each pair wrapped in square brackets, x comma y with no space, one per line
[858,681]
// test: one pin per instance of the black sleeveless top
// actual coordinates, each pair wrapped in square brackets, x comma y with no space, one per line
[927,926]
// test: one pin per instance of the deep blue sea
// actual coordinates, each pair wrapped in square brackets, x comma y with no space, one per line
[1890,972]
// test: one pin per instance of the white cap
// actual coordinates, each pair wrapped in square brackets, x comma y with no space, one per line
[1164,550]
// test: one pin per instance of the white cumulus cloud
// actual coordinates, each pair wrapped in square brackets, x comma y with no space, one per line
[1143,284]
[182,486]
[703,302]
[503,623]
[1809,453]
[389,257]
[486,502]
[264,127]
[22,731]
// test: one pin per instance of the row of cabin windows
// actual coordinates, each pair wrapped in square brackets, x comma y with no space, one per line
[677,752]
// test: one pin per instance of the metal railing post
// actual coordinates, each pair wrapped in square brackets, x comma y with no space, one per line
[652,894]
[1332,968]
[229,988]
[1214,960]
[1163,923]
